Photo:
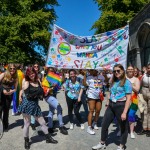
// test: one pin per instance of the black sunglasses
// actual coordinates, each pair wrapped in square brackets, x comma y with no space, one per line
[36,66]
[12,68]
[116,71]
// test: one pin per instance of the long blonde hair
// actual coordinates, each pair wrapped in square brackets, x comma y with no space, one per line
[7,76]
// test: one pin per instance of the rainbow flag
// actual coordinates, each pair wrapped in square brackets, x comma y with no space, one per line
[54,78]
[133,108]
[45,85]
[15,100]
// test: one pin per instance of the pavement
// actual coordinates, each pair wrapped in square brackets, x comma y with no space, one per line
[77,139]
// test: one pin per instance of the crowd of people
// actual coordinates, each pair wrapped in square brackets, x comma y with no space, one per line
[25,86]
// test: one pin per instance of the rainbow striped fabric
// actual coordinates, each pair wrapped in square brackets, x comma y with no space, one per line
[133,108]
[45,85]
[55,79]
[51,79]
[15,100]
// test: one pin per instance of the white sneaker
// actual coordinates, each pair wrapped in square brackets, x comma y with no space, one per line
[82,126]
[119,133]
[13,114]
[90,131]
[94,125]
[120,148]
[99,146]
[71,126]
[132,135]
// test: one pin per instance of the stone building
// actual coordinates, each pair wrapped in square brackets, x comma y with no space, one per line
[139,42]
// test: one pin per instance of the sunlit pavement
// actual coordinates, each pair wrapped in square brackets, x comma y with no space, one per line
[77,139]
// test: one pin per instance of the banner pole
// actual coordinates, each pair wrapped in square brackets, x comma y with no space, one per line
[50,43]
[128,44]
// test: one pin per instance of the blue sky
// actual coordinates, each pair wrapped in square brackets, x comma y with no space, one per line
[77,16]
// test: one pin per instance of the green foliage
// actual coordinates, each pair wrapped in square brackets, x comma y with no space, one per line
[24,26]
[116,13]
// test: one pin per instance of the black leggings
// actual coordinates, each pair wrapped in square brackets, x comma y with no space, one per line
[73,104]
[115,110]
[4,108]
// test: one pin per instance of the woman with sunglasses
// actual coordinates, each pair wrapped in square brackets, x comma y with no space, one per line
[94,82]
[9,84]
[37,69]
[32,92]
[134,99]
[119,103]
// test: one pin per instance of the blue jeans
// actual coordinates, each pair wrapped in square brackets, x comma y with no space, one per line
[53,104]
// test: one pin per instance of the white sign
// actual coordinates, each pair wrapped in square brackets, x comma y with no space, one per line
[100,51]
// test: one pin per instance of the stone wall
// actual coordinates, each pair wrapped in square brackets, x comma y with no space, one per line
[135,24]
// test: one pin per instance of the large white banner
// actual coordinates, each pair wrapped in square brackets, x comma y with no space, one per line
[100,51]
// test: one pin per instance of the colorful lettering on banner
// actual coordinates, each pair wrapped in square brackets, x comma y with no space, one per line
[100,51]
[88,65]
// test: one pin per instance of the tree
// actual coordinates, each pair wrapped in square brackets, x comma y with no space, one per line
[25,25]
[116,13]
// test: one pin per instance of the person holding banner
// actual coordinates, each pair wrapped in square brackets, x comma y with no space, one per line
[118,106]
[95,85]
[74,89]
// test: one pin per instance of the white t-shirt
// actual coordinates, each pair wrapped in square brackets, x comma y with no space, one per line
[95,85]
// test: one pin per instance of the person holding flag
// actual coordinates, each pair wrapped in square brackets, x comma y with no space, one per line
[51,84]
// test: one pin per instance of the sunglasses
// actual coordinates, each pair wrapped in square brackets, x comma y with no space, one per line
[31,73]
[116,71]
[12,68]
[36,66]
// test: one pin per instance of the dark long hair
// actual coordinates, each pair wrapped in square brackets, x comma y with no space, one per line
[123,77]
[28,72]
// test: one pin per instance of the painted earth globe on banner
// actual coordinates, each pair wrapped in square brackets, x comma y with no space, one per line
[64,48]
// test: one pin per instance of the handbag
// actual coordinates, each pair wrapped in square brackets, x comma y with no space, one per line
[141,103]
[101,96]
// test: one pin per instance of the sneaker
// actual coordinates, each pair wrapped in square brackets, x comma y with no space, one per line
[90,131]
[99,146]
[63,130]
[142,132]
[13,114]
[94,125]
[82,126]
[120,148]
[119,133]
[71,126]
[132,135]
[148,133]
